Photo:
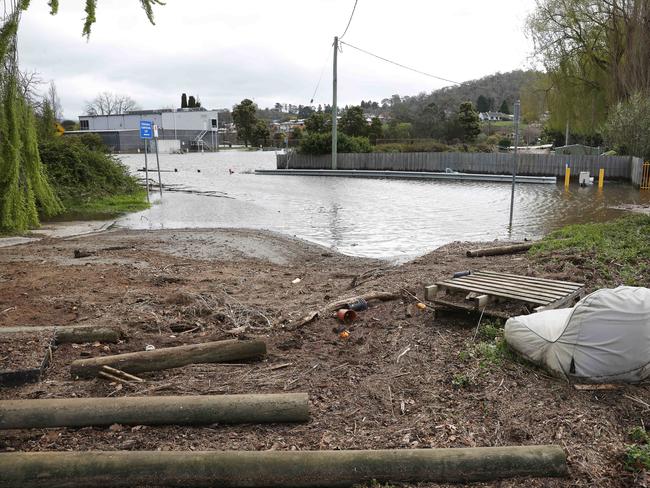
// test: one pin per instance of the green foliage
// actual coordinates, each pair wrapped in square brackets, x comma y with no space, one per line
[245,119]
[46,122]
[504,108]
[318,123]
[191,102]
[461,381]
[484,104]
[637,457]
[618,251]
[322,144]
[81,174]
[469,122]
[184,100]
[639,435]
[376,130]
[628,126]
[505,142]
[24,189]
[353,122]
[260,134]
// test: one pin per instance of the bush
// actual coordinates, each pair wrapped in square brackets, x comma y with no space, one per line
[316,144]
[421,146]
[79,169]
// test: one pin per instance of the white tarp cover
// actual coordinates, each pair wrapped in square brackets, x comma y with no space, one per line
[605,338]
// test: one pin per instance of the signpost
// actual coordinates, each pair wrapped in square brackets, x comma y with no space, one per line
[146,133]
[155,138]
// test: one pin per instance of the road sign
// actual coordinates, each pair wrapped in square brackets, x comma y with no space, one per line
[146,129]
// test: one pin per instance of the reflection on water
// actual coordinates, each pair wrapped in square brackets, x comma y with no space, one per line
[365,217]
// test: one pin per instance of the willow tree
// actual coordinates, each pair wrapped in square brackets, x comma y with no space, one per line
[24,190]
[596,53]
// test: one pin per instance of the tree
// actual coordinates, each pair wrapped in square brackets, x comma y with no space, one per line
[260,133]
[107,103]
[191,102]
[628,126]
[184,100]
[304,111]
[596,53]
[482,104]
[353,122]
[245,119]
[376,130]
[24,189]
[505,108]
[469,122]
[318,123]
[53,99]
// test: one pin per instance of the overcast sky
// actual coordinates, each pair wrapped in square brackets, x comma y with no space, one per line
[269,51]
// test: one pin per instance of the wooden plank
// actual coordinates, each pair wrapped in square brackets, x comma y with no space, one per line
[532,278]
[514,296]
[515,287]
[529,286]
[562,302]
[492,289]
[531,283]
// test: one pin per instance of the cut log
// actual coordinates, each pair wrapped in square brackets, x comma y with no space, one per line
[156,410]
[276,468]
[79,335]
[496,251]
[171,357]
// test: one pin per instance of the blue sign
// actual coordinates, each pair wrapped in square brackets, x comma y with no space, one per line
[146,129]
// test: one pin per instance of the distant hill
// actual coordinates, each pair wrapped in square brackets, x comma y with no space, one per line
[497,88]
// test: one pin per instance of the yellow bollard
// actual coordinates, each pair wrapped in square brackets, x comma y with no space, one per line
[601,178]
[567,176]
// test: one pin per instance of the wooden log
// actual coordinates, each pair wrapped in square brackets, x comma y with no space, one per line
[171,357]
[276,468]
[154,410]
[79,335]
[497,251]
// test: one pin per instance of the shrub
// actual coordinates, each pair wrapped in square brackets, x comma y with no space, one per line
[316,144]
[79,170]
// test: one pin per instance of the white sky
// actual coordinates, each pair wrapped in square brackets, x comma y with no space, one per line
[269,51]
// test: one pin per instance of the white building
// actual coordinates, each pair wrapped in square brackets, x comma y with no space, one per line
[193,128]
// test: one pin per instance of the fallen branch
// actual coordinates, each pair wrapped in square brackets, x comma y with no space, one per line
[277,468]
[171,357]
[80,335]
[497,251]
[333,306]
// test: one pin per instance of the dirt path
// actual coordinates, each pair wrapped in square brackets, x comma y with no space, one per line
[404,378]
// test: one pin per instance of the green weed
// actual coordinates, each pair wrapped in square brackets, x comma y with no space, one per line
[637,457]
[639,435]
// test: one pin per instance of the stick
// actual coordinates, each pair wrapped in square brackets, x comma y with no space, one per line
[288,469]
[122,374]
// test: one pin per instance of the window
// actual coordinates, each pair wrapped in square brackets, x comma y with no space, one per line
[83,125]
[214,123]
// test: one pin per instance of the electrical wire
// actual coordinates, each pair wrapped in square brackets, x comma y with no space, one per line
[400,65]
[320,78]
[350,20]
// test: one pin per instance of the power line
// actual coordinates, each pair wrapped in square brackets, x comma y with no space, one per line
[401,65]
[321,75]
[349,21]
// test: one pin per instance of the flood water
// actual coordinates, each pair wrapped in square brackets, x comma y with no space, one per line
[394,219]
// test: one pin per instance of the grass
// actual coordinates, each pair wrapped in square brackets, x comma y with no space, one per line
[99,208]
[618,251]
[491,350]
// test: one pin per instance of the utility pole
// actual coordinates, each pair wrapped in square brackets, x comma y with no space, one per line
[334,110]
[514,162]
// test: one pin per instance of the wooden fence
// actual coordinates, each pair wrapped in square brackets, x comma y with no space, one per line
[616,167]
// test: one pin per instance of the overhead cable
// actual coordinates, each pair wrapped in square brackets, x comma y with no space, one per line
[350,20]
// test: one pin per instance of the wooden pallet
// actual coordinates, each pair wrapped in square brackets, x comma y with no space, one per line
[484,287]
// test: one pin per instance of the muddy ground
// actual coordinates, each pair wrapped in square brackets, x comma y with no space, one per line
[404,378]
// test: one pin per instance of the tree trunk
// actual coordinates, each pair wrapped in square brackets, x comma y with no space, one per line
[276,468]
[177,410]
[171,357]
[496,251]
